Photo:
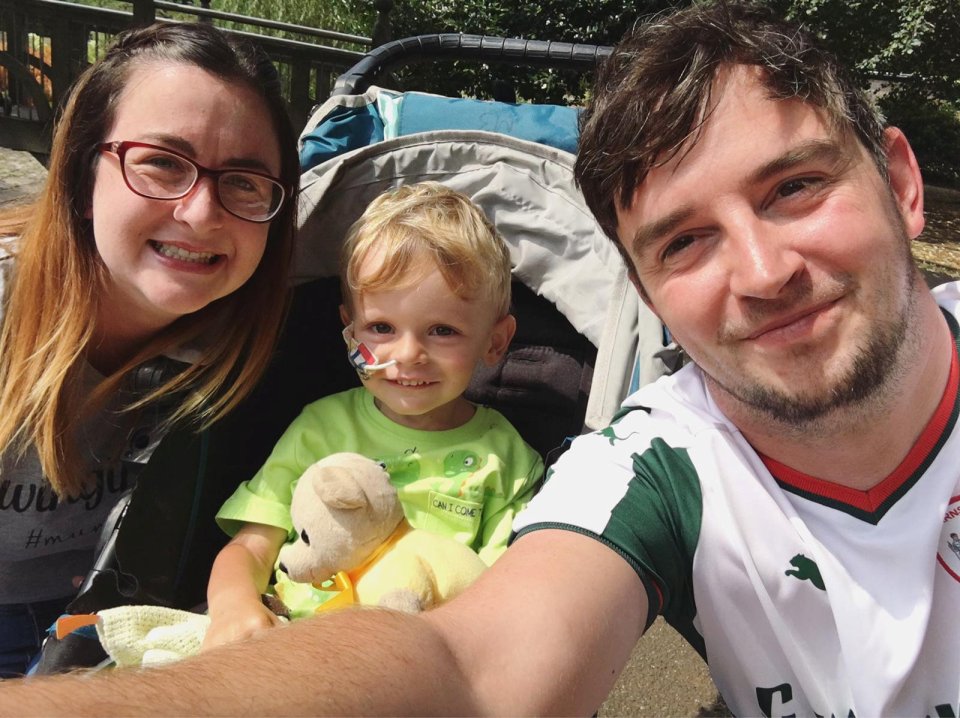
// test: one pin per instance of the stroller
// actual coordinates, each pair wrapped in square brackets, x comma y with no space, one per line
[584,339]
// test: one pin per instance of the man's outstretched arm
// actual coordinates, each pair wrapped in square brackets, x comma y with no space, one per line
[546,630]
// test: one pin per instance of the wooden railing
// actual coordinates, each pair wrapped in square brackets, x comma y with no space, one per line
[45,44]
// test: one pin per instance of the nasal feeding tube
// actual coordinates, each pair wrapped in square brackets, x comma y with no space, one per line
[360,356]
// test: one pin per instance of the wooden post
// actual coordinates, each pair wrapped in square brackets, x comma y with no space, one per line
[143,13]
[299,89]
[382,32]
[62,59]
[17,47]
[324,83]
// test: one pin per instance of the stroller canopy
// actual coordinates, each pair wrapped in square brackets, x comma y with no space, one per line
[516,163]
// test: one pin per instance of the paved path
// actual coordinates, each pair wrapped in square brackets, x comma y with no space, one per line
[664,679]
[20,176]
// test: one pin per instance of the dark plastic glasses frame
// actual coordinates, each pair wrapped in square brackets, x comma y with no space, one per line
[120,147]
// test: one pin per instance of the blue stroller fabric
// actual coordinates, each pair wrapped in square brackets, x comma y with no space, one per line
[391,114]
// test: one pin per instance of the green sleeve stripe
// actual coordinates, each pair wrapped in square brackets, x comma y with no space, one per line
[654,593]
[657,522]
[653,522]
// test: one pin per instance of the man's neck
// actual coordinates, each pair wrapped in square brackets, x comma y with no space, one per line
[859,446]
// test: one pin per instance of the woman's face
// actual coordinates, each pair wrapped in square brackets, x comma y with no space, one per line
[169,258]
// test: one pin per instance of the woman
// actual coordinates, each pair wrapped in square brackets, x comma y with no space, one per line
[143,288]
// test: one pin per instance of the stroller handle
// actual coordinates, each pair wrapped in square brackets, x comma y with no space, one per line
[481,48]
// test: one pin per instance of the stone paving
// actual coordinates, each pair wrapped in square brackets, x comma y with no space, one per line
[21,175]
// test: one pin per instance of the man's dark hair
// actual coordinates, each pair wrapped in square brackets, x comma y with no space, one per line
[653,94]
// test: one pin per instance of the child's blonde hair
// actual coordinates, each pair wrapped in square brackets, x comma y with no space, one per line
[428,218]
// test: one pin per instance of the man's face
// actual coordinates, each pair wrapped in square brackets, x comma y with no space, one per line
[777,255]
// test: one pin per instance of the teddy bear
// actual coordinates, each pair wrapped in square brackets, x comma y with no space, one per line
[350,528]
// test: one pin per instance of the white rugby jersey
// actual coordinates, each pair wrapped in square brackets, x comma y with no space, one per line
[805,598]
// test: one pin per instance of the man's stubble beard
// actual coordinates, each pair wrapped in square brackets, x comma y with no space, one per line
[878,364]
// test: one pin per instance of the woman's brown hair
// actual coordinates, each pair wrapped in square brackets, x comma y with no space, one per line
[53,300]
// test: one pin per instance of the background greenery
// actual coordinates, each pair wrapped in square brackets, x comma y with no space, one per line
[909,47]
[914,46]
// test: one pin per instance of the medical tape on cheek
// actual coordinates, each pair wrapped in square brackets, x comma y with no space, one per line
[360,356]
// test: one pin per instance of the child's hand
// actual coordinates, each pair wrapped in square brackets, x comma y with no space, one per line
[238,622]
[240,575]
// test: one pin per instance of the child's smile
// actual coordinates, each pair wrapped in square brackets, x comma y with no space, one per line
[436,339]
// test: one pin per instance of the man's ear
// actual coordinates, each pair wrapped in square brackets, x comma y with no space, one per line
[344,315]
[906,183]
[500,336]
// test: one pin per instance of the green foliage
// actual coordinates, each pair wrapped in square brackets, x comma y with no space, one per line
[915,41]
[109,4]
[933,128]
[353,18]
[600,22]
[339,15]
[914,44]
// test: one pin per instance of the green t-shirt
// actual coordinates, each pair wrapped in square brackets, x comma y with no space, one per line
[467,483]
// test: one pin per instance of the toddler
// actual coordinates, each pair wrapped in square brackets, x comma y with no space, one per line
[426,291]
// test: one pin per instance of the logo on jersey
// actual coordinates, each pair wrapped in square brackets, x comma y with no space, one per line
[610,433]
[948,551]
[805,569]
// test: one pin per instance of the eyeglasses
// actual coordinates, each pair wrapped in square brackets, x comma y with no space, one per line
[159,173]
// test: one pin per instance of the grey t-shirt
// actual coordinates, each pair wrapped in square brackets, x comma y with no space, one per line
[46,541]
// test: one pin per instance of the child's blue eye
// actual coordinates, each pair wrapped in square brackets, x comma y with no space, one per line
[444,331]
[381,328]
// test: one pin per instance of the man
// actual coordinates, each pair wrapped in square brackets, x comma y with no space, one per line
[785,501]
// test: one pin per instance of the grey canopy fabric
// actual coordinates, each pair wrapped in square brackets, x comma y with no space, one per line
[527,190]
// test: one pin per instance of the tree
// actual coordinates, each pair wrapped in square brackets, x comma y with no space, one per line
[915,43]
[600,22]
[339,15]
[913,48]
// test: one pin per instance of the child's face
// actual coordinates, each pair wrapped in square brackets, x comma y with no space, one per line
[436,338]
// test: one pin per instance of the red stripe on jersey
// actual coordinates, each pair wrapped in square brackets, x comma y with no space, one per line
[873,498]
